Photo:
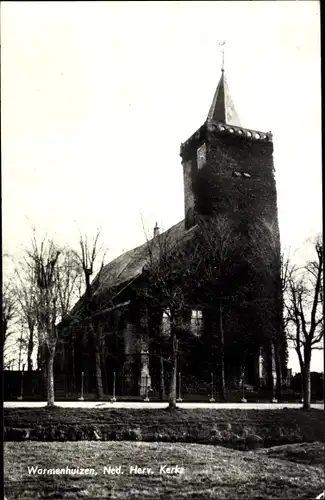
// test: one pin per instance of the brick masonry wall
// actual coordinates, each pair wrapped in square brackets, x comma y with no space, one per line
[219,187]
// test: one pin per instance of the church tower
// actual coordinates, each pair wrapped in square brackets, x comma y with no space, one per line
[228,170]
[240,161]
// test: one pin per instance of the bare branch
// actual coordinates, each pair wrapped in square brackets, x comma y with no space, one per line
[304,311]
[9,312]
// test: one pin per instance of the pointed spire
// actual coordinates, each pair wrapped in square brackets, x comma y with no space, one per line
[222,107]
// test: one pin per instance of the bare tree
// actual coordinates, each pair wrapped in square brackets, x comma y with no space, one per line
[88,256]
[218,243]
[26,293]
[9,313]
[169,267]
[305,313]
[54,276]
[43,261]
[22,343]
[186,270]
[69,277]
[69,281]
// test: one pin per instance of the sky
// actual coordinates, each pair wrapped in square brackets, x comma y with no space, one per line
[97,98]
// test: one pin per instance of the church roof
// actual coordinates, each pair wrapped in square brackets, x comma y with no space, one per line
[222,108]
[129,265]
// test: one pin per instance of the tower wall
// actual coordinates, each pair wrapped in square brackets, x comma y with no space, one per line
[189,168]
[222,185]
[189,155]
[234,177]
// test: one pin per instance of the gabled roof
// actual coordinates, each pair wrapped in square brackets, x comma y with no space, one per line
[129,265]
[222,108]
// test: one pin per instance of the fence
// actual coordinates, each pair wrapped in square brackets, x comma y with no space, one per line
[31,386]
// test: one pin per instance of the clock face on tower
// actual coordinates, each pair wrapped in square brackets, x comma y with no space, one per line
[201,156]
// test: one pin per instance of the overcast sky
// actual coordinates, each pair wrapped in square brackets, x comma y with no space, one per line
[98,96]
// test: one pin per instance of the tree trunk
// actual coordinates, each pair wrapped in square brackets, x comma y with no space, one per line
[99,381]
[98,369]
[257,382]
[278,372]
[173,378]
[302,384]
[306,380]
[103,357]
[30,349]
[42,362]
[222,356]
[19,353]
[50,376]
[302,369]
[162,377]
[73,356]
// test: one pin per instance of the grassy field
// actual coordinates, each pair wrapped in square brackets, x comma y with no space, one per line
[236,428]
[209,472]
[303,453]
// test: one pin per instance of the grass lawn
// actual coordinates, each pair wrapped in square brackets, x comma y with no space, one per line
[303,453]
[209,471]
[237,428]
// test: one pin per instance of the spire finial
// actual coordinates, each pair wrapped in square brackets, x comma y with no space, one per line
[222,108]
[222,45]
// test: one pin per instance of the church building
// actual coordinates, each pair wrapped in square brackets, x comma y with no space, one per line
[228,170]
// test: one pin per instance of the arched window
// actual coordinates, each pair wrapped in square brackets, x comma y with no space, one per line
[166,313]
[196,322]
[196,314]
[166,322]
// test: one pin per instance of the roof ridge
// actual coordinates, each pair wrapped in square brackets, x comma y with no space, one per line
[144,243]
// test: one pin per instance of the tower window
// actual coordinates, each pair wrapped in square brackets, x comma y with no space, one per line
[257,136]
[248,134]
[231,130]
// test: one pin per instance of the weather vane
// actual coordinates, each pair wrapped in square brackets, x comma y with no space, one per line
[222,45]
